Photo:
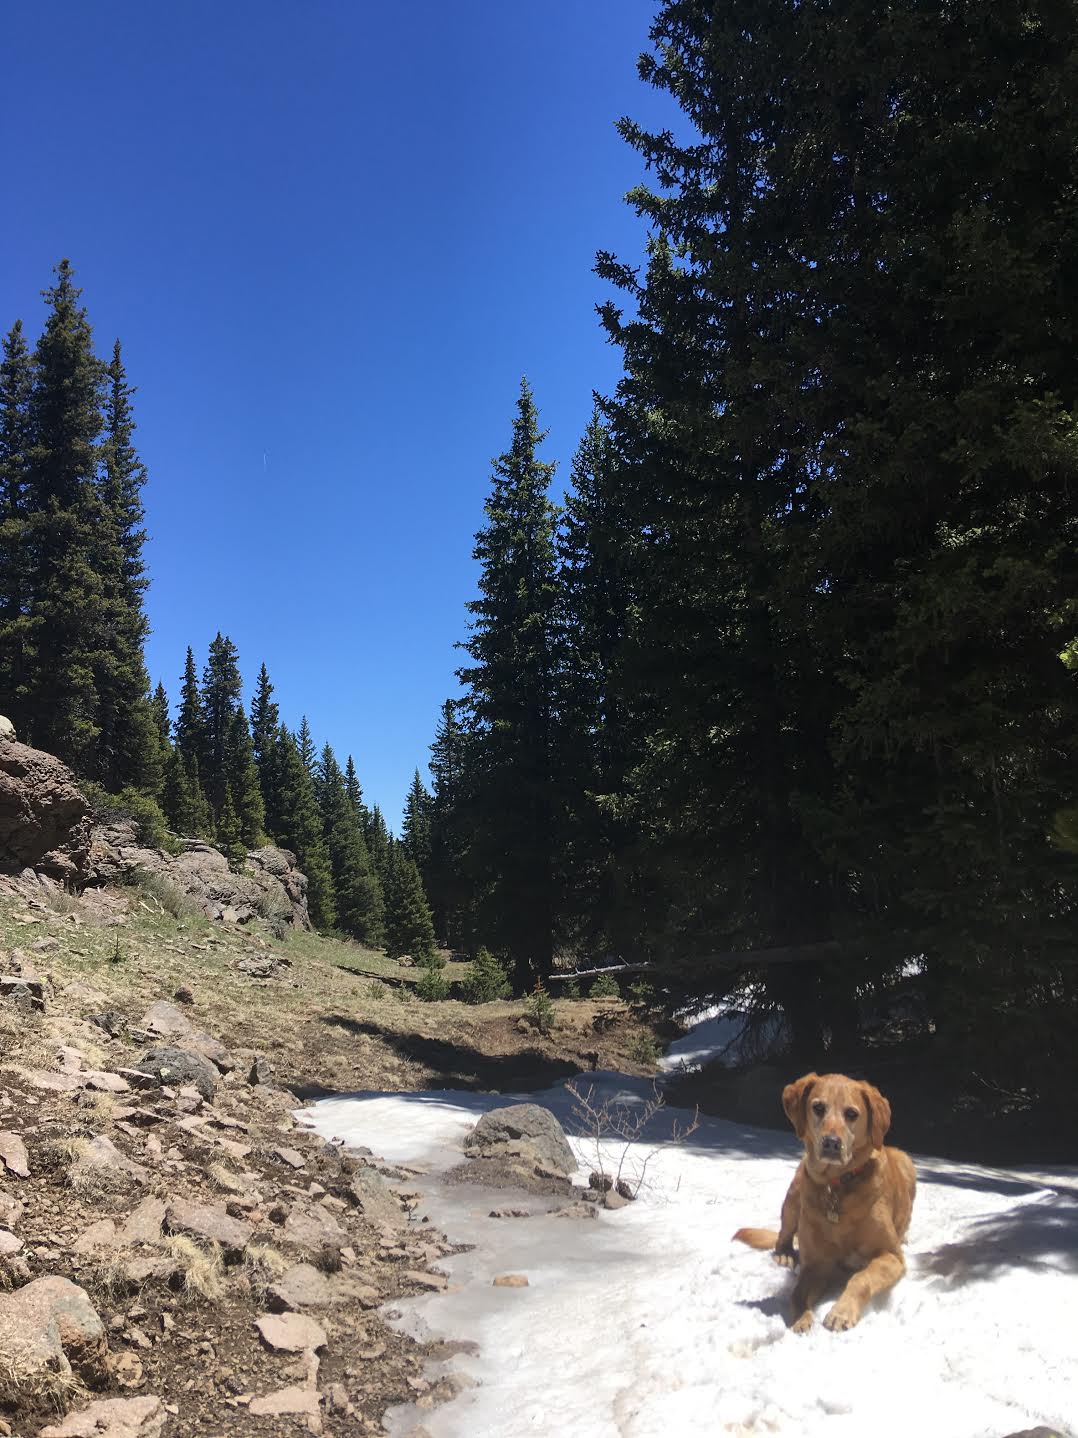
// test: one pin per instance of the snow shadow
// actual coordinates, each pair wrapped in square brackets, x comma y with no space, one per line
[1039,1235]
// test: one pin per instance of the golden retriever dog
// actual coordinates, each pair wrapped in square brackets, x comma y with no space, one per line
[849,1205]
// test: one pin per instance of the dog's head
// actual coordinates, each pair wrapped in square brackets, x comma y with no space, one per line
[839,1119]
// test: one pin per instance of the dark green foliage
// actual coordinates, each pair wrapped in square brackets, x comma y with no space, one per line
[448,884]
[190,724]
[539,1008]
[305,745]
[265,721]
[301,829]
[162,718]
[229,834]
[846,443]
[355,793]
[509,807]
[604,987]
[487,979]
[360,908]
[415,828]
[409,929]
[379,845]
[182,799]
[243,782]
[433,986]
[16,443]
[221,690]
[150,827]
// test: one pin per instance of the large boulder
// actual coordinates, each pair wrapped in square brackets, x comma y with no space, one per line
[44,817]
[176,1067]
[270,886]
[524,1128]
[48,1329]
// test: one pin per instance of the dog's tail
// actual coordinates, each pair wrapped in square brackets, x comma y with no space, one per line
[757,1237]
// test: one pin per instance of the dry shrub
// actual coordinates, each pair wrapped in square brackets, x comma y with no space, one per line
[202,1270]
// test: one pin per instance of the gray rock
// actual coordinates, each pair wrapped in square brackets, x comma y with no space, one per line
[113,1418]
[291,1332]
[375,1200]
[261,1072]
[166,1020]
[13,1155]
[49,1327]
[111,1021]
[44,817]
[176,1066]
[7,729]
[101,1155]
[505,1129]
[208,1221]
[212,1049]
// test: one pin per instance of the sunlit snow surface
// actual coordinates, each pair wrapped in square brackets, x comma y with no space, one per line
[650,1323]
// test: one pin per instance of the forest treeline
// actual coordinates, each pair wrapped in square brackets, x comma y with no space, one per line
[791,659]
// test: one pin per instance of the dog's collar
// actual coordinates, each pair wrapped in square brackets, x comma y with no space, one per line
[845,1179]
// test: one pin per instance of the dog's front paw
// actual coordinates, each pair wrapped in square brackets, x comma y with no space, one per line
[842,1317]
[785,1257]
[802,1324]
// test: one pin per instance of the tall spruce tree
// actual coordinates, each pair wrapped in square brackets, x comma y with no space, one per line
[242,782]
[16,446]
[595,556]
[162,718]
[128,751]
[379,844]
[185,802]
[69,609]
[409,929]
[221,690]
[301,829]
[509,705]
[849,483]
[415,826]
[448,887]
[358,890]
[354,791]
[305,744]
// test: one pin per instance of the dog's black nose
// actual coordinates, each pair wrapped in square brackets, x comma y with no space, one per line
[830,1144]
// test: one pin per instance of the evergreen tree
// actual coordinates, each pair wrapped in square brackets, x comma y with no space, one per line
[182,799]
[265,718]
[355,794]
[70,612]
[594,612]
[448,886]
[360,909]
[850,490]
[128,751]
[162,718]
[379,844]
[229,834]
[242,783]
[190,726]
[301,830]
[509,706]
[305,745]
[221,690]
[16,446]
[409,929]
[415,829]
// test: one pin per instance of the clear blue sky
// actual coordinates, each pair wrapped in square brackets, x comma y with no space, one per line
[331,237]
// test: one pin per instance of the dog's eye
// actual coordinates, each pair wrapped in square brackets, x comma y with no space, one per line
[819,1108]
[851,1115]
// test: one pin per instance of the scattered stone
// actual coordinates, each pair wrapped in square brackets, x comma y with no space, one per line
[113,1418]
[105,1082]
[110,1021]
[102,1155]
[9,1244]
[50,1327]
[528,1122]
[575,1210]
[176,1066]
[509,1213]
[288,1400]
[437,1282]
[378,1204]
[615,1199]
[511,1280]
[166,1020]
[301,1286]
[11,1210]
[291,1156]
[212,1049]
[261,1072]
[145,1223]
[207,1221]
[25,993]
[52,1083]
[291,1332]
[48,945]
[600,1182]
[312,1229]
[99,1235]
[183,995]
[13,1155]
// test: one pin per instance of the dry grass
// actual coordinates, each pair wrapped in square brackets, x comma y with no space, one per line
[202,1270]
[263,1266]
[58,1389]
[222,1177]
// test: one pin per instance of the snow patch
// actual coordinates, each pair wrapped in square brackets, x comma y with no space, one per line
[650,1322]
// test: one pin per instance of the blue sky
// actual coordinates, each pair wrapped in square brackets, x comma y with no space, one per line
[331,236]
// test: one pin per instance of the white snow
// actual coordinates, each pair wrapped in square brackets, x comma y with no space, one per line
[649,1322]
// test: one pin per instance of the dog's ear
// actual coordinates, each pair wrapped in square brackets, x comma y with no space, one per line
[879,1114]
[795,1100]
